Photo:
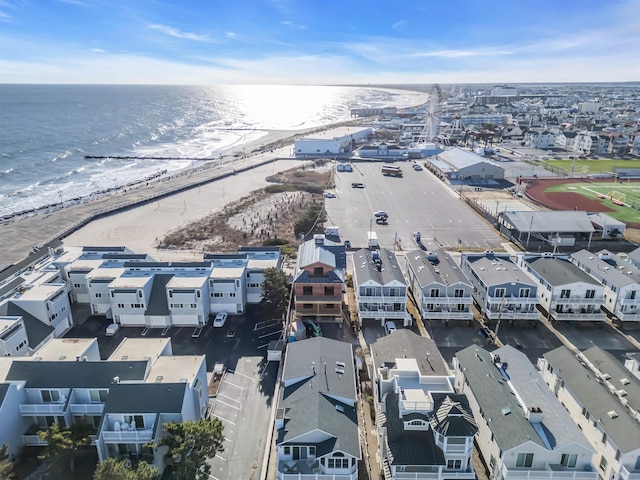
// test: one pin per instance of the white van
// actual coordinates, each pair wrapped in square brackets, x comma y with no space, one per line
[390,327]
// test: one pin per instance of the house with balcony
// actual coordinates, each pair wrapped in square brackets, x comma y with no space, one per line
[440,288]
[523,430]
[621,281]
[380,287]
[125,399]
[567,293]
[316,420]
[187,299]
[501,289]
[603,399]
[318,283]
[425,429]
[228,288]
[98,281]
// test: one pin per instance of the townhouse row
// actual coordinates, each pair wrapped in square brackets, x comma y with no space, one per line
[571,416]
[580,287]
[128,288]
[125,400]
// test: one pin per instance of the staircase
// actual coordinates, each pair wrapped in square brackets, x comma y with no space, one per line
[387,470]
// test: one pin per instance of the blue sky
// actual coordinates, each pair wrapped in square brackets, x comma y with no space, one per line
[318,41]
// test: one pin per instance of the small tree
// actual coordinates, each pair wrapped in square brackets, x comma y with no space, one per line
[191,444]
[112,469]
[275,295]
[65,443]
[6,465]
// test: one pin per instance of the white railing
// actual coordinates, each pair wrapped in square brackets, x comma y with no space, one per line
[579,300]
[33,440]
[513,314]
[42,408]
[317,476]
[381,299]
[129,436]
[447,315]
[577,316]
[88,408]
[626,474]
[549,473]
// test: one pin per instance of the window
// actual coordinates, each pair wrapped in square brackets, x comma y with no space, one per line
[198,293]
[590,294]
[565,293]
[338,463]
[76,285]
[458,293]
[585,414]
[604,437]
[287,450]
[137,419]
[312,451]
[217,294]
[307,290]
[329,291]
[603,463]
[232,294]
[98,295]
[193,305]
[98,396]
[524,460]
[50,396]
[618,455]
[569,460]
[524,292]
[632,294]
[499,292]
[435,292]
[318,272]
[454,464]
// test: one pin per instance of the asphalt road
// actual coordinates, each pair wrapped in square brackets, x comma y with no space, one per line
[416,202]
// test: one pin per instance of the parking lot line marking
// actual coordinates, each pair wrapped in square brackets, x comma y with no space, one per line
[269,334]
[242,374]
[214,478]
[228,404]
[227,382]
[259,326]
[265,345]
[222,458]
[223,419]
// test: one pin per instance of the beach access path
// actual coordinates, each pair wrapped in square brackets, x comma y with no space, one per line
[170,201]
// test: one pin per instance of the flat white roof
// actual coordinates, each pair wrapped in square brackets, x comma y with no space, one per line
[338,132]
[40,292]
[105,271]
[64,349]
[227,272]
[174,369]
[5,365]
[85,264]
[139,348]
[126,281]
[187,282]
[255,264]
[8,322]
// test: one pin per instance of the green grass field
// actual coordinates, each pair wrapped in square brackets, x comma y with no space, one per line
[629,193]
[592,166]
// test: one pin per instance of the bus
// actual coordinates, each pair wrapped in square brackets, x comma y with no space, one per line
[391,170]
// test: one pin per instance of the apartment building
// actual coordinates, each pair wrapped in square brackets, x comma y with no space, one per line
[523,430]
[603,399]
[566,292]
[318,284]
[501,289]
[380,287]
[439,286]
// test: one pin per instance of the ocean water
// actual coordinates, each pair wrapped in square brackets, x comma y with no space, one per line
[46,130]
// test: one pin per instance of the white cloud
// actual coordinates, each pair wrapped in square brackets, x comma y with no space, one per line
[460,53]
[293,26]
[4,17]
[400,25]
[97,50]
[174,32]
[230,35]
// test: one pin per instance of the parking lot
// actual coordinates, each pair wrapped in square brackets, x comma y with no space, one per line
[416,202]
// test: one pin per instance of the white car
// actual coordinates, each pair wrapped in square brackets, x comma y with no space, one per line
[330,195]
[220,319]
[380,213]
[390,327]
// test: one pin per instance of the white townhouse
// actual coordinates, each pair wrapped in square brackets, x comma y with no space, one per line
[141,296]
[540,139]
[621,281]
[317,433]
[439,286]
[13,337]
[380,287]
[502,290]
[258,260]
[567,293]
[98,281]
[125,400]
[523,430]
[48,303]
[633,257]
[227,289]
[425,429]
[603,399]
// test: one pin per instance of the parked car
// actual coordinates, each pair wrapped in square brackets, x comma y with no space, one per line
[340,168]
[390,327]
[348,168]
[357,185]
[380,213]
[330,195]
[417,167]
[312,327]
[220,319]
[347,244]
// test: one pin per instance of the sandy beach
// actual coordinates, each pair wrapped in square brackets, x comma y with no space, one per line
[138,227]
